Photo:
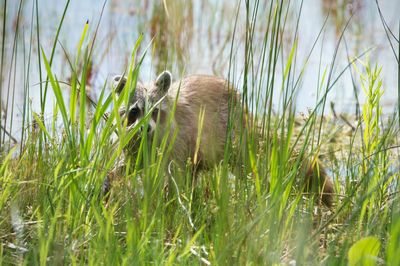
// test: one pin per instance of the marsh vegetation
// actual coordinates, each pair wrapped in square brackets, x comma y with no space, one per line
[321,79]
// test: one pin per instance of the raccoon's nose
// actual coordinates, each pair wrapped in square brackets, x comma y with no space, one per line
[142,129]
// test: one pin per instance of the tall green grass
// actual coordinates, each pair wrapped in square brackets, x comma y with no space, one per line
[249,209]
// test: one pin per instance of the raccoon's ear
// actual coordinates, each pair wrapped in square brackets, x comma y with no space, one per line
[163,82]
[118,83]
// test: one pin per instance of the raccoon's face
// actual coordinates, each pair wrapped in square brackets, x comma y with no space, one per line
[144,99]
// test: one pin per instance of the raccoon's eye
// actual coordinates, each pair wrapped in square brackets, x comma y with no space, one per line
[133,115]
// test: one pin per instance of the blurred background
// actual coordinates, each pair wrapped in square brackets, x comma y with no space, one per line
[194,37]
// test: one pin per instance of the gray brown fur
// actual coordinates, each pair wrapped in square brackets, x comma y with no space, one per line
[192,94]
[196,92]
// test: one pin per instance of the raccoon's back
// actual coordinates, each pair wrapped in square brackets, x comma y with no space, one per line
[208,95]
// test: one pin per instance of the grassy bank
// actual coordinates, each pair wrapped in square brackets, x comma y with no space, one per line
[52,210]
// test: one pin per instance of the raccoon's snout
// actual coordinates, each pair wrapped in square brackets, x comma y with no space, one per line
[149,129]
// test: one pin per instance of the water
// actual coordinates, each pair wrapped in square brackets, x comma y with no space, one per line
[197,39]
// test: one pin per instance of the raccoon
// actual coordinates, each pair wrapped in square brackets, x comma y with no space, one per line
[194,95]
[204,108]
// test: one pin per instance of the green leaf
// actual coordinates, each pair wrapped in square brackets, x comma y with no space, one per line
[41,125]
[364,251]
[393,249]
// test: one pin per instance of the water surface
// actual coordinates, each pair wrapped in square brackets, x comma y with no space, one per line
[194,37]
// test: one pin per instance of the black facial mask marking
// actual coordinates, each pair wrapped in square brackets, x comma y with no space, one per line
[154,114]
[133,115]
